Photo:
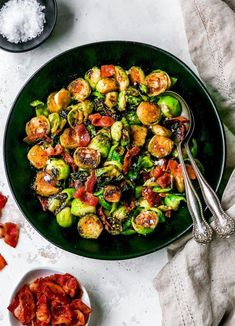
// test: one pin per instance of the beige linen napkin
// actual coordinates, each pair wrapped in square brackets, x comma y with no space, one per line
[197,286]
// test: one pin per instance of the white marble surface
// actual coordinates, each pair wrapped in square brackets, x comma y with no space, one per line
[121,291]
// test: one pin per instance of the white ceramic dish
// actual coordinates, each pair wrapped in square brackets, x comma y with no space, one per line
[41,272]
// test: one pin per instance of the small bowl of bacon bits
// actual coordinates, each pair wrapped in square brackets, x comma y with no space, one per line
[45,297]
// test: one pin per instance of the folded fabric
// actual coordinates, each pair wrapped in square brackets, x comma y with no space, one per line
[197,286]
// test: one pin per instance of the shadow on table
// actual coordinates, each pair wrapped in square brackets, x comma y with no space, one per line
[96,318]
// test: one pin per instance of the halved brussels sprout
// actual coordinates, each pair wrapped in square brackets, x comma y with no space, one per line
[157,82]
[79,89]
[161,131]
[173,201]
[136,75]
[106,85]
[111,99]
[145,222]
[58,168]
[122,101]
[121,77]
[112,194]
[45,184]
[37,125]
[78,208]
[170,106]
[60,200]
[37,156]
[93,76]
[148,113]
[121,213]
[160,146]
[101,144]
[75,116]
[64,218]
[138,135]
[87,158]
[57,101]
[69,139]
[109,171]
[90,226]
[116,130]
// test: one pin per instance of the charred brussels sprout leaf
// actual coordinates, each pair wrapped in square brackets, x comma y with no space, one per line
[136,75]
[173,201]
[58,168]
[101,144]
[116,130]
[78,208]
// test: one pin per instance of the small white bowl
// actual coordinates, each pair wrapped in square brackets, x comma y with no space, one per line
[36,273]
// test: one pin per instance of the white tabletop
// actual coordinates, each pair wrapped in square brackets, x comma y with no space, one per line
[121,292]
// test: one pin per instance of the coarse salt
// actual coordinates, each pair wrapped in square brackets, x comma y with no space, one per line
[21,20]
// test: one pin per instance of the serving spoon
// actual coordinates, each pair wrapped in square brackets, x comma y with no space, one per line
[223,224]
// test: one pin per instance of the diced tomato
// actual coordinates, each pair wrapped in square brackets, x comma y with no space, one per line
[157,172]
[104,219]
[10,232]
[176,169]
[86,197]
[128,158]
[3,200]
[101,121]
[152,197]
[82,135]
[54,151]
[90,183]
[164,180]
[3,262]
[107,71]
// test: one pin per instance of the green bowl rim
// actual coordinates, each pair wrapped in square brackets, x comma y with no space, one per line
[124,256]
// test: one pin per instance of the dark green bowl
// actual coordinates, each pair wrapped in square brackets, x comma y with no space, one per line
[56,74]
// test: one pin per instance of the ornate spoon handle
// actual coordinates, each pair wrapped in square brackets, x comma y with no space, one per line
[223,224]
[202,232]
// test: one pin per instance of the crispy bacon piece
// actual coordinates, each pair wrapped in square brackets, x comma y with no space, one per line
[23,305]
[91,181]
[69,284]
[104,219]
[101,121]
[128,158]
[157,172]
[3,200]
[86,197]
[54,151]
[164,180]
[78,318]
[30,139]
[44,202]
[61,314]
[42,310]
[10,232]
[82,135]
[107,71]
[152,197]
[78,304]
[3,262]
[69,160]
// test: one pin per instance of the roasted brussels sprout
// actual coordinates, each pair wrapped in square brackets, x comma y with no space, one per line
[45,184]
[38,125]
[160,146]
[75,116]
[170,106]
[157,82]
[37,156]
[60,200]
[58,100]
[122,78]
[173,201]
[122,101]
[125,139]
[93,76]
[112,194]
[69,139]
[145,222]
[161,131]
[121,213]
[79,208]
[101,144]
[110,171]
[136,75]
[58,168]
[111,99]
[116,130]
[64,218]
[138,135]
[54,120]
[90,226]
[40,108]
[133,119]
[148,113]
[86,158]
[106,85]
[79,89]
